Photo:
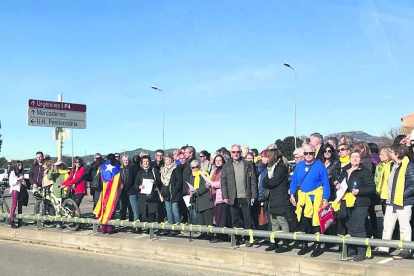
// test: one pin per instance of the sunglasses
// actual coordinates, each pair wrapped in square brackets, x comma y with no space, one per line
[195,167]
[77,162]
[117,156]
[201,156]
[342,149]
[308,153]
[235,151]
[328,151]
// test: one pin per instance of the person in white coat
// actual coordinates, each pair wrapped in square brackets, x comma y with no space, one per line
[16,180]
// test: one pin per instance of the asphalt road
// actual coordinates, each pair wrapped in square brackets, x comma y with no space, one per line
[38,260]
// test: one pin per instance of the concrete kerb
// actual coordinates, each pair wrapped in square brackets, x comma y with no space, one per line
[203,256]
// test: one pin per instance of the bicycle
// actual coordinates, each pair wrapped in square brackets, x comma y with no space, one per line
[48,204]
[4,207]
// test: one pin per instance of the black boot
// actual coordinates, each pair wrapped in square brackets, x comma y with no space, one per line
[272,247]
[304,249]
[317,251]
[12,224]
[284,247]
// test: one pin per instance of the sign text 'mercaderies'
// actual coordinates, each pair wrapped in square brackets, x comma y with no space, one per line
[57,105]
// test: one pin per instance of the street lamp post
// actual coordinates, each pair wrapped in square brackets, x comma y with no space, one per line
[162,99]
[294,97]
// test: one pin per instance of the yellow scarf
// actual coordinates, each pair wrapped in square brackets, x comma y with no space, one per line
[311,209]
[399,186]
[349,201]
[344,160]
[197,178]
[382,173]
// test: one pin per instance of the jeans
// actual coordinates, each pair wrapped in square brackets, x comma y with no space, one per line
[240,214]
[173,213]
[133,200]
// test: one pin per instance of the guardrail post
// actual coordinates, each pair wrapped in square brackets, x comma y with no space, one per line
[39,225]
[95,228]
[152,233]
[233,241]
[344,253]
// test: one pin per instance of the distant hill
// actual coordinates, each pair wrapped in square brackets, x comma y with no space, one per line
[358,136]
[130,153]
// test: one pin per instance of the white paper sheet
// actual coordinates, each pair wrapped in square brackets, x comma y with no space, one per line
[147,186]
[342,190]
[191,188]
[205,178]
[187,200]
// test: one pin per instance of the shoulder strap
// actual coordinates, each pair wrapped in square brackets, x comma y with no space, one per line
[303,179]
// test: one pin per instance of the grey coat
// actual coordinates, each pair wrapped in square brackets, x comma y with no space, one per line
[202,197]
[228,182]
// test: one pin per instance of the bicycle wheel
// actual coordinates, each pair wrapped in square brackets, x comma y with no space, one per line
[70,208]
[4,208]
[48,210]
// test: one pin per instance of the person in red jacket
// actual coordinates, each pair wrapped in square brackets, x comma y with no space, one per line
[76,181]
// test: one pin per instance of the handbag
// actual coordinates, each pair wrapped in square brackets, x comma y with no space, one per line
[326,218]
[263,220]
[298,187]
[96,183]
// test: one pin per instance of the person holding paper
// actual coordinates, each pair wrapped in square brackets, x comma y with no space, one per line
[361,187]
[148,202]
[203,206]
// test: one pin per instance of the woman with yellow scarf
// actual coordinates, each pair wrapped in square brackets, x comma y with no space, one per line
[382,173]
[399,194]
[203,206]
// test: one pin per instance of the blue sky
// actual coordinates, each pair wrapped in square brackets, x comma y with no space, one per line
[219,63]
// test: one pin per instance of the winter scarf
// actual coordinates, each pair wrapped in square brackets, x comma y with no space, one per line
[399,186]
[166,173]
[197,178]
[344,160]
[381,179]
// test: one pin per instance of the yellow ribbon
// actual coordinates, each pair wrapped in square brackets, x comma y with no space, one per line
[222,230]
[251,236]
[295,233]
[173,226]
[317,234]
[272,237]
[400,244]
[236,229]
[144,225]
[191,228]
[182,227]
[368,254]
[152,225]
[343,237]
[211,228]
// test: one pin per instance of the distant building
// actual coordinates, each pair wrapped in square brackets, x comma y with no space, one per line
[407,124]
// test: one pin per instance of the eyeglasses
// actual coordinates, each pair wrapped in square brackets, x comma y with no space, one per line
[328,151]
[342,149]
[77,162]
[235,151]
[308,153]
[117,156]
[201,156]
[195,167]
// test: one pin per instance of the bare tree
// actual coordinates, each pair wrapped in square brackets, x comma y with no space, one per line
[387,137]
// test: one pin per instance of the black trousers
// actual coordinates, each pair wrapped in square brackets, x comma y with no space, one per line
[125,205]
[356,226]
[78,198]
[205,217]
[305,224]
[240,214]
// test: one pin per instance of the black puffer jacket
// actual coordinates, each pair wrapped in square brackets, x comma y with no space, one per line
[364,182]
[174,191]
[278,186]
[408,187]
[129,186]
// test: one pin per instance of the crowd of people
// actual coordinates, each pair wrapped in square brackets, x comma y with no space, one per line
[240,187]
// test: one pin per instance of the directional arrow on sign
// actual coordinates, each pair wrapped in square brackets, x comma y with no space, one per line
[33,112]
[32,121]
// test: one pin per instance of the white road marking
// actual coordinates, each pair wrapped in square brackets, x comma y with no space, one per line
[139,237]
[385,261]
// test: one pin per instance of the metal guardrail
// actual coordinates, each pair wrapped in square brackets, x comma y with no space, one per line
[233,232]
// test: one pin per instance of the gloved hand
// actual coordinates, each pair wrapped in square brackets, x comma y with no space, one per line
[252,201]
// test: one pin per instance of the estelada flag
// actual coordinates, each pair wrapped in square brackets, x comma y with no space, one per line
[111,190]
